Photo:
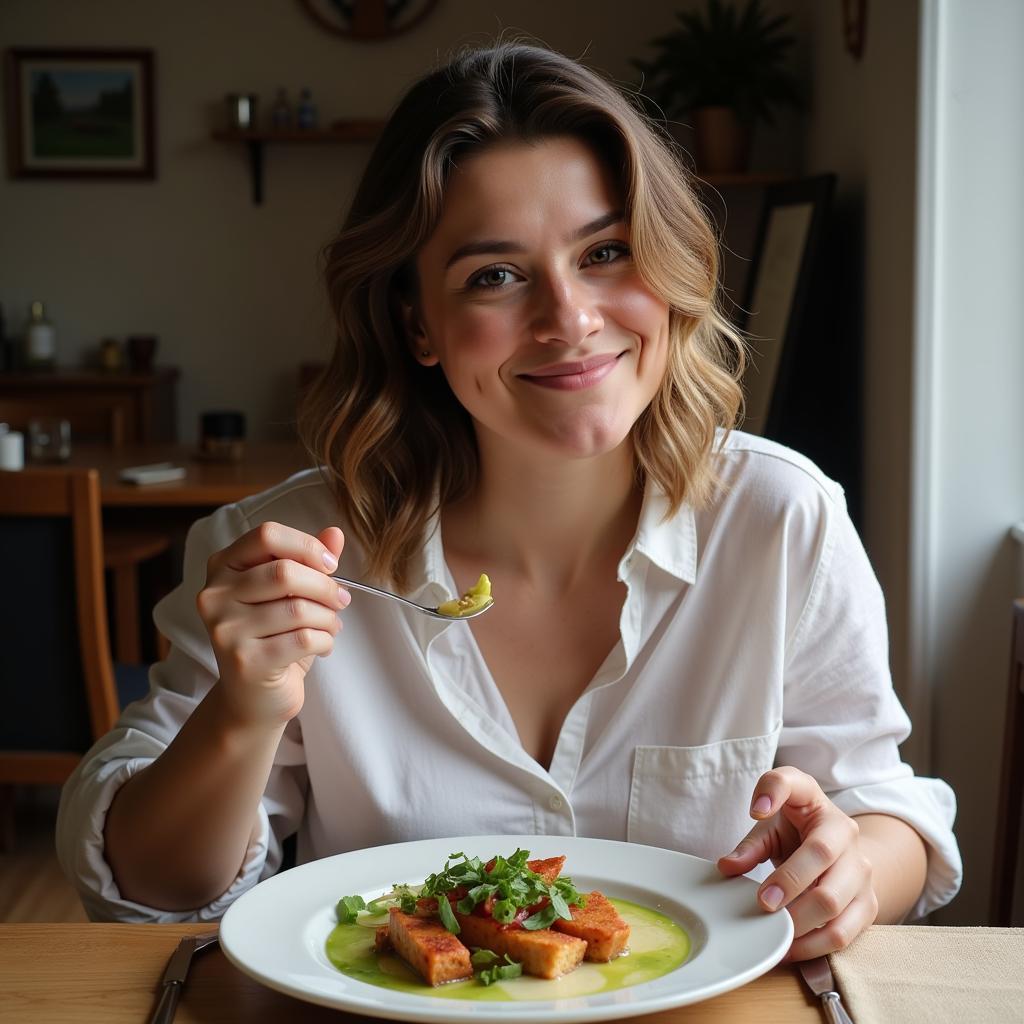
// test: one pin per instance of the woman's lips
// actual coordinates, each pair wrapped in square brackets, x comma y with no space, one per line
[574,376]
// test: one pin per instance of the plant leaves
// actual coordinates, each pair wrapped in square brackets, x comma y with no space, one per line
[348,907]
[444,912]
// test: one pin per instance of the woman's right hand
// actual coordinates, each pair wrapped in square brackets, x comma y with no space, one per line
[270,607]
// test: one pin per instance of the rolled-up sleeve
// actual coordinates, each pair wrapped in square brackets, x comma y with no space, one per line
[842,721]
[144,731]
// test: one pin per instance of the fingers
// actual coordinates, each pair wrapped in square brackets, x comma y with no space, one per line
[290,613]
[821,877]
[284,649]
[791,791]
[839,932]
[334,540]
[787,790]
[269,604]
[820,848]
[272,581]
[822,832]
[269,542]
[253,660]
[763,842]
[834,891]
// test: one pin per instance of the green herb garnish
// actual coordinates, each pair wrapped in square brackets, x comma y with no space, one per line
[509,969]
[544,918]
[396,898]
[510,883]
[348,908]
[444,911]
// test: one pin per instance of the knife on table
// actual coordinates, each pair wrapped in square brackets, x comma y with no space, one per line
[175,973]
[818,976]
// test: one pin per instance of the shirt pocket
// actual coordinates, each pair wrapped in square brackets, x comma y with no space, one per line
[697,799]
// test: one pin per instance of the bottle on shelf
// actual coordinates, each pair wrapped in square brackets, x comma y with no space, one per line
[306,113]
[281,111]
[40,340]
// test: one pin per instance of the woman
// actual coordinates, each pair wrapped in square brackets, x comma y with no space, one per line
[532,378]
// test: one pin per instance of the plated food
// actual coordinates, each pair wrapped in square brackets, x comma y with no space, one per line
[693,935]
[487,922]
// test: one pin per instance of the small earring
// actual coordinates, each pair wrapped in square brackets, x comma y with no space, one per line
[425,352]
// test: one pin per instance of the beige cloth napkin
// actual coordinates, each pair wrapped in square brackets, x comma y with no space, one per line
[916,974]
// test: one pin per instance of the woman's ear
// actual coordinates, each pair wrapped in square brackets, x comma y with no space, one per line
[416,337]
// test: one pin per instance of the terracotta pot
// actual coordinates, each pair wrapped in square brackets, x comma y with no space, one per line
[721,141]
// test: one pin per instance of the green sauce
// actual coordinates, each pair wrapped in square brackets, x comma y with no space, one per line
[657,945]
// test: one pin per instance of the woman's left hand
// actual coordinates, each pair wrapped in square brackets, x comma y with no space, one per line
[821,876]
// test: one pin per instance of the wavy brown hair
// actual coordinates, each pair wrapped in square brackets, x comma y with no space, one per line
[394,441]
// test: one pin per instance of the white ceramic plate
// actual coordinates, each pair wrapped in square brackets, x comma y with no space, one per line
[277,931]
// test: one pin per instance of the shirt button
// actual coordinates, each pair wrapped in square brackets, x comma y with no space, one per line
[555,803]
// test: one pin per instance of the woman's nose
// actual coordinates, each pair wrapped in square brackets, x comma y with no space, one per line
[566,312]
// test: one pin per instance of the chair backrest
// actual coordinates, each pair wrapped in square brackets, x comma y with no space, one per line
[57,684]
[1010,812]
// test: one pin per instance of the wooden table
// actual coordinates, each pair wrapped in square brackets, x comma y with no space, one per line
[206,485]
[93,973]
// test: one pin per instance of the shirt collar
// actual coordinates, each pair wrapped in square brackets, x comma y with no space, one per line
[432,571]
[670,544]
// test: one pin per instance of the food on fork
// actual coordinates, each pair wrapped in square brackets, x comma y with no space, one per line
[473,600]
[524,911]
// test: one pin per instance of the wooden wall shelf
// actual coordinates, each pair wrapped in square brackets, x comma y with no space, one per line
[108,405]
[339,132]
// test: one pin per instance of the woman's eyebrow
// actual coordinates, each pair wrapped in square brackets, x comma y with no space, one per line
[496,246]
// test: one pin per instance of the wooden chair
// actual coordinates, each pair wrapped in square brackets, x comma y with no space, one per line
[58,687]
[1010,811]
[125,550]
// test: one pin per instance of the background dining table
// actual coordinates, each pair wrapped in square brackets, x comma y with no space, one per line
[110,973]
[207,483]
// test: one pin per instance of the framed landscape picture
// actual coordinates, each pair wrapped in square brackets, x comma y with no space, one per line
[80,113]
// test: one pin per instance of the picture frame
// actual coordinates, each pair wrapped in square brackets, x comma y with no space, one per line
[787,257]
[81,113]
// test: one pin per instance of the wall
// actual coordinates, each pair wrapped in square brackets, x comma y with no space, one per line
[970,483]
[863,126]
[232,289]
[942,222]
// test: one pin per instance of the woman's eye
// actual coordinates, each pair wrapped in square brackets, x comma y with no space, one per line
[607,253]
[492,277]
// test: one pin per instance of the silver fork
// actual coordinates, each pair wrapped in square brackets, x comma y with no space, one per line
[425,609]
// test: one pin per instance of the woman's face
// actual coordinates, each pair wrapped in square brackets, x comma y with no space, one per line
[530,301]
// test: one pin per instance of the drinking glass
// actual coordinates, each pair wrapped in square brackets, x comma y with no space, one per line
[49,439]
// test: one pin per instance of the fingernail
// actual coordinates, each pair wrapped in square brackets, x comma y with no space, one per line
[330,561]
[762,805]
[735,853]
[344,597]
[771,897]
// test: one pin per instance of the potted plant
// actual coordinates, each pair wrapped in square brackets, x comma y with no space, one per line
[727,68]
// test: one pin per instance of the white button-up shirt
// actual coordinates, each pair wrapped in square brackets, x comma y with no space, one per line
[753,634]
